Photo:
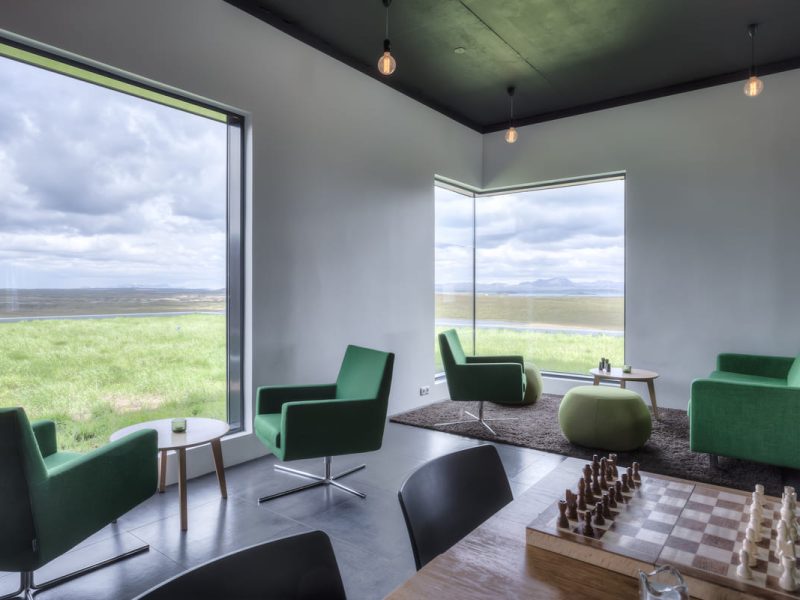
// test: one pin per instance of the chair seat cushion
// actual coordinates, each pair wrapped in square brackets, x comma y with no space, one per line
[59,458]
[745,378]
[606,418]
[268,429]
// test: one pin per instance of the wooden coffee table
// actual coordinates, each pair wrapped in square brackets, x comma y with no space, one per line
[199,431]
[616,374]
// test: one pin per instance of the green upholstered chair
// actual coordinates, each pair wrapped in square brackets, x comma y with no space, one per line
[321,421]
[605,418]
[51,501]
[748,408]
[498,379]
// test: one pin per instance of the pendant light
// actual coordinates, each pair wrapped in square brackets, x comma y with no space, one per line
[511,132]
[753,86]
[387,63]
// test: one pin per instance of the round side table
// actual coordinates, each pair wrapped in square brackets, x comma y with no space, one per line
[616,374]
[199,431]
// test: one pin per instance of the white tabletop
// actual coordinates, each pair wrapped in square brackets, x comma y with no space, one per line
[616,373]
[198,431]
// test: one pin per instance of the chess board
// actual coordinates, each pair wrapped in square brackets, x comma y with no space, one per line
[698,529]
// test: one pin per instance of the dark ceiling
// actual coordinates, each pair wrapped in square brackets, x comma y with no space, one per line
[564,56]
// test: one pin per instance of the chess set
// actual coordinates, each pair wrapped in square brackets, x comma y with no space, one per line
[726,543]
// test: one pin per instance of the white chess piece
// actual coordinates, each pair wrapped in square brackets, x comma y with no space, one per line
[788,580]
[760,490]
[789,516]
[743,570]
[749,545]
[783,537]
[788,549]
[755,525]
[757,502]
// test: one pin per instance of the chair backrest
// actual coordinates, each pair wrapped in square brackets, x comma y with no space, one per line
[365,373]
[448,497]
[300,567]
[451,350]
[21,465]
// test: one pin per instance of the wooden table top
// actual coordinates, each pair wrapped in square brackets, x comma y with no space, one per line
[616,373]
[198,431]
[494,561]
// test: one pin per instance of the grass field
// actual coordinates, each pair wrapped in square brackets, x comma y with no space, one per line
[94,376]
[559,352]
[582,312]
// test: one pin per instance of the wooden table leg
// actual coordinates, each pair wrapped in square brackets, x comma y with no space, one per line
[622,383]
[182,488]
[216,450]
[162,472]
[651,387]
[596,380]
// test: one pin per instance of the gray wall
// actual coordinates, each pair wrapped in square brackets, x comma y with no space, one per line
[342,177]
[712,218]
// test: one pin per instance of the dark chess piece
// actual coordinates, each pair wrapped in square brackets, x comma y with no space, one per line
[595,465]
[598,514]
[636,477]
[589,495]
[588,531]
[613,461]
[631,481]
[603,481]
[612,497]
[572,509]
[625,487]
[581,499]
[563,522]
[596,489]
[606,506]
[587,473]
[621,499]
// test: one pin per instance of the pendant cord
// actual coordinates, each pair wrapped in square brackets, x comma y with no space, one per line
[387,22]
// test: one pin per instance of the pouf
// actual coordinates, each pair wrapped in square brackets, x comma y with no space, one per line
[606,418]
[534,386]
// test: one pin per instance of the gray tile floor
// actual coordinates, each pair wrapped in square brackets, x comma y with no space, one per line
[369,536]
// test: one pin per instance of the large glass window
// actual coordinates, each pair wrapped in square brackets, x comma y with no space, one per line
[549,275]
[120,246]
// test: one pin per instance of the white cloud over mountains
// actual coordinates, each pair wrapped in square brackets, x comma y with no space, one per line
[102,189]
[574,232]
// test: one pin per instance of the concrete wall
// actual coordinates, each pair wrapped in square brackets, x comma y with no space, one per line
[712,218]
[341,210]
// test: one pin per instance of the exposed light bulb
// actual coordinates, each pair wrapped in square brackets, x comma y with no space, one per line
[386,63]
[511,135]
[753,86]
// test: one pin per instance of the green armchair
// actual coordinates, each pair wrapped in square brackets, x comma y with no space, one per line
[748,408]
[321,421]
[51,501]
[498,379]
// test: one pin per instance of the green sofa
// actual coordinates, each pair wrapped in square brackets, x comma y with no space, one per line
[749,408]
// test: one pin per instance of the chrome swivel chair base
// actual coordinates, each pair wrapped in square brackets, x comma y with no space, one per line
[28,589]
[478,419]
[318,480]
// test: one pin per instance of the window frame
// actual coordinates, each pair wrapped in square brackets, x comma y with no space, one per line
[64,64]
[477,193]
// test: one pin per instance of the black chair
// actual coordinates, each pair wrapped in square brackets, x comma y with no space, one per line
[300,567]
[448,497]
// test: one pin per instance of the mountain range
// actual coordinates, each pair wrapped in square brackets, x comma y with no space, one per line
[550,286]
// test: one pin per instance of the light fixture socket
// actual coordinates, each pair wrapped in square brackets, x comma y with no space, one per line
[511,89]
[387,45]
[386,3]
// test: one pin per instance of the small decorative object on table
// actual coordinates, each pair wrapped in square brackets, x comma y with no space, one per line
[627,368]
[665,583]
[179,425]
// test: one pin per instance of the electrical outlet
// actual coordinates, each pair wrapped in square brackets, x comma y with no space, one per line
[424,390]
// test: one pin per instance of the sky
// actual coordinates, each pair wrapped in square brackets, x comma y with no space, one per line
[574,232]
[102,189]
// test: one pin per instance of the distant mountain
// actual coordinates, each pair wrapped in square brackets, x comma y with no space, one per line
[549,286]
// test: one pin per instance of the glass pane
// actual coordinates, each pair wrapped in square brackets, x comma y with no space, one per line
[453,271]
[550,275]
[112,256]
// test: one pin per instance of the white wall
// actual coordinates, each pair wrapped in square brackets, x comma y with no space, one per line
[342,180]
[712,218]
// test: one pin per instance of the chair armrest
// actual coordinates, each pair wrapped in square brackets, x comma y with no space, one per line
[495,359]
[45,433]
[500,382]
[318,428]
[751,364]
[84,495]
[270,398]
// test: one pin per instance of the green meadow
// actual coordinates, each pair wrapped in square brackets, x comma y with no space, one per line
[94,376]
[550,351]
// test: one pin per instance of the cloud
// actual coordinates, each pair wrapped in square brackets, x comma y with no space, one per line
[103,189]
[575,232]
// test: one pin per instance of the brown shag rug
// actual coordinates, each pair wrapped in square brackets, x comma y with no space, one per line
[666,453]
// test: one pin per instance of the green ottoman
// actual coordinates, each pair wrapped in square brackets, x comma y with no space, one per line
[606,418]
